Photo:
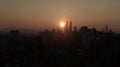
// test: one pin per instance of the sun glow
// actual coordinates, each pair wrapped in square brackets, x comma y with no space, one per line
[62,24]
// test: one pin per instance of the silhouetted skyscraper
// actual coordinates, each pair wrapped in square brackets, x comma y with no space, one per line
[70,27]
[106,29]
[86,36]
[75,29]
[53,30]
[66,27]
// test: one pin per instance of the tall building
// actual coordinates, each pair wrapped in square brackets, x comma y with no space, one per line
[75,29]
[85,36]
[106,29]
[70,26]
[66,27]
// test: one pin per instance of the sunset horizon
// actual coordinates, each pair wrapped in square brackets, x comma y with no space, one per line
[59,33]
[42,14]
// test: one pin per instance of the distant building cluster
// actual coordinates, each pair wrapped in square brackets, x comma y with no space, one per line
[69,28]
[83,47]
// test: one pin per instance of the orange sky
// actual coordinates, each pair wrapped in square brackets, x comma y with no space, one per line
[41,14]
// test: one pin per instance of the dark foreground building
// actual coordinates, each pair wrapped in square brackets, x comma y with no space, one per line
[85,48]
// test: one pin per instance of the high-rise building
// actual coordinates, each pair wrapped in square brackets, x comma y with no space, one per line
[70,27]
[85,36]
[66,27]
[106,29]
[75,29]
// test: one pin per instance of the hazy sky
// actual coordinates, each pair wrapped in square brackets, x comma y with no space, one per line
[40,14]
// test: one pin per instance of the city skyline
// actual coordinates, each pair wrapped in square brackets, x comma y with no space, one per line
[42,14]
[59,33]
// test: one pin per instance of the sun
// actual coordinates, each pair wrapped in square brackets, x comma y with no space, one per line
[62,24]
